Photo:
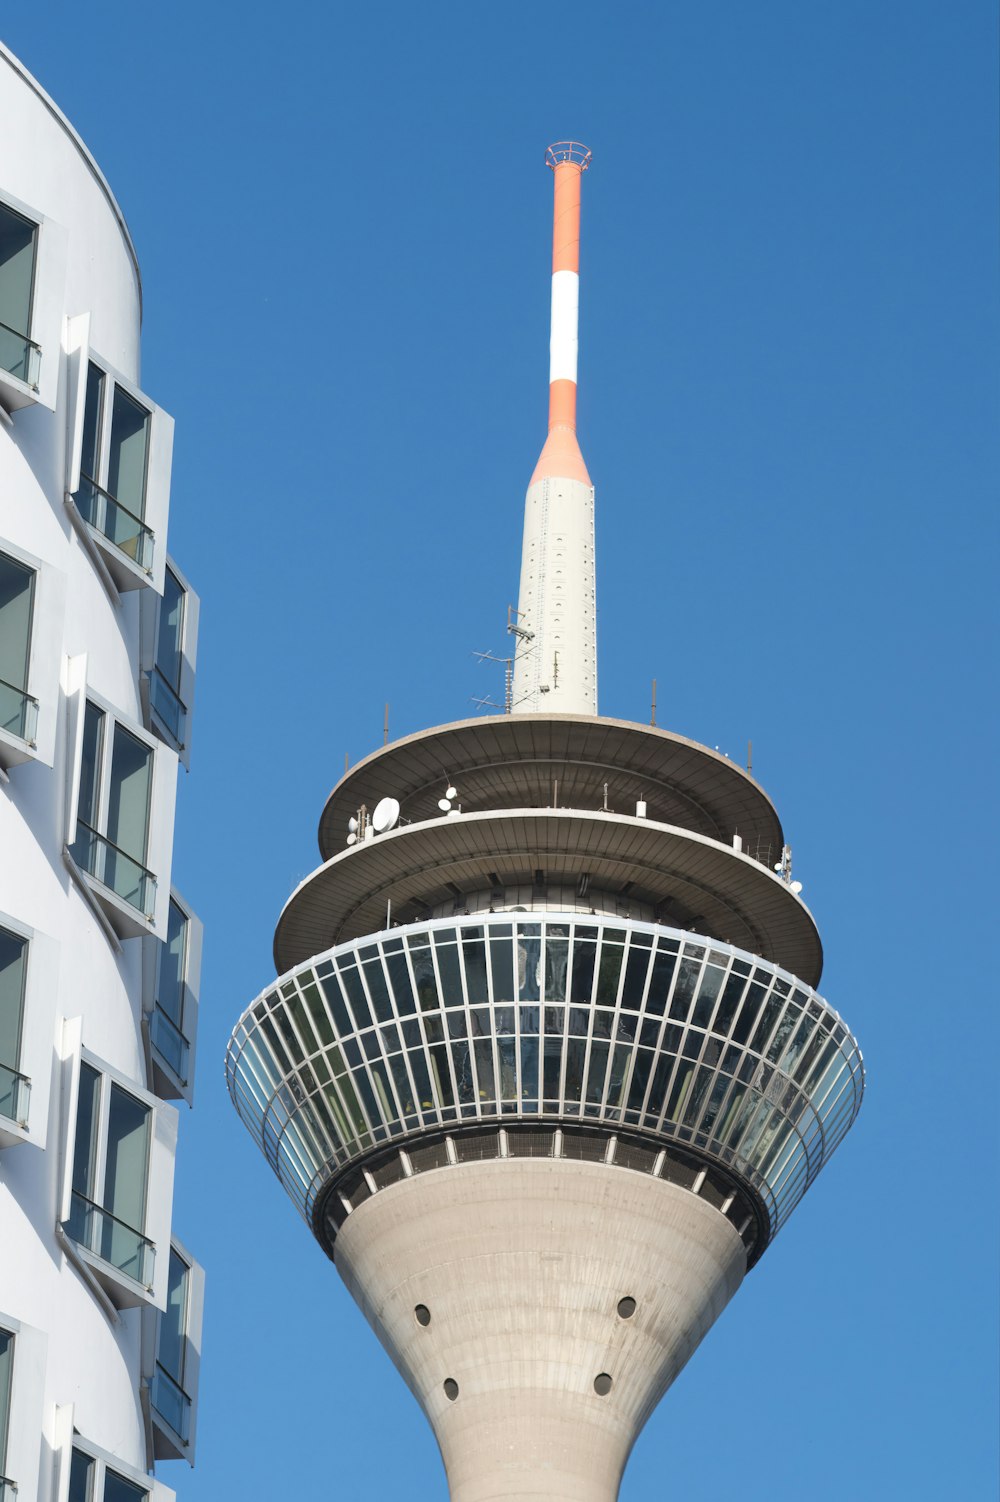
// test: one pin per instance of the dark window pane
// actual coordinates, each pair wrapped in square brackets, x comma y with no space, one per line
[81,1477]
[90,458]
[127,459]
[13,956]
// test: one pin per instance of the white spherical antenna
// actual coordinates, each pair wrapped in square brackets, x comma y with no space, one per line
[444,805]
[796,887]
[352,825]
[385,815]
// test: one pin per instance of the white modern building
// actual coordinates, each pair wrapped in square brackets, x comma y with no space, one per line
[546,1070]
[100,1303]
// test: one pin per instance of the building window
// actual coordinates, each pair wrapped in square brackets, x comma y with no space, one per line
[113,809]
[171,676]
[19,355]
[114,464]
[8,1487]
[111,1175]
[18,710]
[14,1086]
[171,1029]
[178,1352]
[92,1480]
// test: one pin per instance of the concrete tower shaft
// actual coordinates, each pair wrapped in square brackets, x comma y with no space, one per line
[555,667]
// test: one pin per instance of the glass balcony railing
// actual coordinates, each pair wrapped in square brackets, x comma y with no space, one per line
[114,868]
[170,1043]
[116,522]
[167,704]
[172,1403]
[109,1238]
[18,712]
[8,1489]
[20,356]
[14,1091]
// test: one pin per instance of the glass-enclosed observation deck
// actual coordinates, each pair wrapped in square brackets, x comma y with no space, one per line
[549,1033]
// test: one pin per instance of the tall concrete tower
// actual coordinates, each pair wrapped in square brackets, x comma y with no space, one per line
[546,1070]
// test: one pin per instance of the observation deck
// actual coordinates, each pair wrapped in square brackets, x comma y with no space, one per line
[574,961]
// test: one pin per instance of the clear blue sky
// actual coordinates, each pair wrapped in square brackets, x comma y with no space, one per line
[788,405]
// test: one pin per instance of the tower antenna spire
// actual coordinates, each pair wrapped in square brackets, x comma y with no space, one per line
[557,600]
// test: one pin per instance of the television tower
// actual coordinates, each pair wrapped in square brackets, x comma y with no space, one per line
[545,1070]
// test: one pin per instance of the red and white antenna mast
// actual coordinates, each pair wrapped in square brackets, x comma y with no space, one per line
[555,670]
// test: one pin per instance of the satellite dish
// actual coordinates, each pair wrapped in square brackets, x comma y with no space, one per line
[352,825]
[796,887]
[451,792]
[385,815]
[444,805]
[352,839]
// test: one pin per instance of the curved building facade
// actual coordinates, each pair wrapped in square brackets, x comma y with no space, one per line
[100,1303]
[546,1068]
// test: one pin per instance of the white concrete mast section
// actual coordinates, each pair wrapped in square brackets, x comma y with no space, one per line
[555,666]
[496,1288]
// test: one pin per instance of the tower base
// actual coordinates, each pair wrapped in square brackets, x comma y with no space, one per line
[538,1309]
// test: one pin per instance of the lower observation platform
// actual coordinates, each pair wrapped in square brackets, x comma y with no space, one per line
[512,1034]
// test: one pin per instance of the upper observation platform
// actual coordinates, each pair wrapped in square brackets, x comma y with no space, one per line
[560,761]
[606,860]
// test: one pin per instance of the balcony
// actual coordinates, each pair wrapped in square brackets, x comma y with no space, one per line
[172,1404]
[8,1489]
[117,525]
[114,869]
[15,1090]
[18,712]
[105,1236]
[167,706]
[20,356]
[171,1044]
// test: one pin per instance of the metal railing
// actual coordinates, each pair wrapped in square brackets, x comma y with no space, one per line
[116,522]
[111,1239]
[172,1403]
[8,1489]
[18,712]
[170,1043]
[168,705]
[15,1089]
[20,356]
[114,868]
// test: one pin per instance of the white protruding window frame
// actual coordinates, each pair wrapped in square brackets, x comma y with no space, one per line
[37,1025]
[124,1291]
[126,920]
[125,573]
[166,1082]
[48,610]
[149,623]
[69,1441]
[27,1396]
[168,1445]
[47,299]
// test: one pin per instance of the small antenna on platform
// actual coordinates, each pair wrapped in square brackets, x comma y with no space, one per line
[652,712]
[385,727]
[749,756]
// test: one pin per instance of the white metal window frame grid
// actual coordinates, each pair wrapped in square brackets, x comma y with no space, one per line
[127,921]
[105,1461]
[25,1412]
[149,630]
[126,573]
[38,1015]
[272,1072]
[47,301]
[44,653]
[124,1291]
[166,1082]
